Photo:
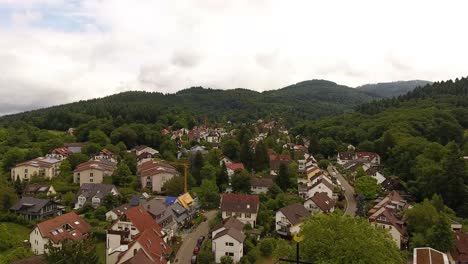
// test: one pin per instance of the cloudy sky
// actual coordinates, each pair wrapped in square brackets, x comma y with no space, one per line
[59,51]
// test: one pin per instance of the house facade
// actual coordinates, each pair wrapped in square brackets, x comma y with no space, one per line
[93,171]
[94,194]
[320,203]
[33,208]
[261,185]
[153,175]
[244,207]
[66,226]
[228,240]
[289,219]
[46,168]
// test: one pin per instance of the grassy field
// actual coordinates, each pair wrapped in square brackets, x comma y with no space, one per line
[101,252]
[265,261]
[17,232]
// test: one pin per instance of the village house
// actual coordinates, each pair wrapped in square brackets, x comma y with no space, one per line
[153,174]
[33,208]
[93,194]
[429,255]
[366,157]
[117,212]
[232,167]
[60,153]
[320,203]
[228,240]
[75,147]
[261,185]
[39,190]
[388,214]
[374,172]
[66,226]
[344,157]
[459,253]
[123,233]
[213,137]
[162,214]
[241,206]
[289,219]
[144,153]
[93,171]
[225,160]
[105,155]
[321,186]
[46,168]
[277,160]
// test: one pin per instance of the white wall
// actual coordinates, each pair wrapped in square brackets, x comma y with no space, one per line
[320,188]
[220,248]
[252,220]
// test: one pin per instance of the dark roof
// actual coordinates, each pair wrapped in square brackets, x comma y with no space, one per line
[231,222]
[294,213]
[460,251]
[325,182]
[244,203]
[391,184]
[99,190]
[30,204]
[262,182]
[345,155]
[232,232]
[158,209]
[136,200]
[179,212]
[121,209]
[139,258]
[36,188]
[323,201]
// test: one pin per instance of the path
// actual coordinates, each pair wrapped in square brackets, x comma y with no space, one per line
[351,204]
[184,255]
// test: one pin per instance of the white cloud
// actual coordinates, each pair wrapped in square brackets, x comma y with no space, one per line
[95,48]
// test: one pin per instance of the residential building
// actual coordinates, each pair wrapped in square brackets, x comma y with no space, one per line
[66,226]
[135,223]
[459,253]
[320,186]
[320,203]
[60,153]
[93,194]
[241,206]
[46,168]
[33,208]
[429,255]
[75,147]
[289,219]
[144,153]
[93,171]
[388,214]
[117,212]
[162,214]
[228,240]
[105,155]
[39,190]
[153,174]
[374,172]
[261,185]
[232,167]
[277,160]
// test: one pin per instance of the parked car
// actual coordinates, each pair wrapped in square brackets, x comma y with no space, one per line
[194,259]
[196,250]
[200,241]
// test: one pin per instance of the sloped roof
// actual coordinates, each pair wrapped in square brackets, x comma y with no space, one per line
[30,204]
[294,213]
[345,155]
[153,245]
[185,200]
[324,202]
[151,167]
[262,182]
[141,219]
[36,188]
[54,228]
[101,165]
[232,232]
[139,258]
[235,166]
[99,190]
[429,256]
[40,162]
[245,203]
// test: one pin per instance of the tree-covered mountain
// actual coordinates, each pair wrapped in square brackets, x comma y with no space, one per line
[391,89]
[302,101]
[421,137]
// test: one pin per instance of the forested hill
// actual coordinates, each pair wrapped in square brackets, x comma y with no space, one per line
[421,137]
[391,89]
[302,101]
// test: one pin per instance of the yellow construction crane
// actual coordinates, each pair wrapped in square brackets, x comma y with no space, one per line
[185,164]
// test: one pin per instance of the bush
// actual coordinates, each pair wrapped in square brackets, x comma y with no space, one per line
[267,246]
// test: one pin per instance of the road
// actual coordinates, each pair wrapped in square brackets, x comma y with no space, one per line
[185,252]
[351,204]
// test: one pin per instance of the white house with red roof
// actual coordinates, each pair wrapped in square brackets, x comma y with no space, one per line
[55,230]
[232,167]
[44,167]
[136,230]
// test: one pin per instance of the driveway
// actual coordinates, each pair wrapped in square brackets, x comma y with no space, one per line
[185,252]
[351,204]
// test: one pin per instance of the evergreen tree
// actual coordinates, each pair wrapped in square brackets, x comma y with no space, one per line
[208,193]
[222,178]
[246,155]
[456,177]
[282,180]
[241,182]
[196,166]
[261,159]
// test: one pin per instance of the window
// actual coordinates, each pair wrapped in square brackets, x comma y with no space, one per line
[248,215]
[25,170]
[91,174]
[230,254]
[229,244]
[91,180]
[228,214]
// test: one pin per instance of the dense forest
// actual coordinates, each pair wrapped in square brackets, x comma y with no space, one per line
[391,89]
[302,101]
[422,137]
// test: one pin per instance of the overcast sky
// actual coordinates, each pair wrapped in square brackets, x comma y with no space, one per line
[59,51]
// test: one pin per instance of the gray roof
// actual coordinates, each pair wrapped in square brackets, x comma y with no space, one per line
[158,209]
[179,212]
[30,204]
[232,232]
[294,213]
[99,190]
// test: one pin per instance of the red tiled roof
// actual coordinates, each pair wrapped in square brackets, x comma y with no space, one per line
[345,155]
[153,245]
[280,157]
[141,219]
[460,251]
[235,166]
[55,230]
[62,151]
[152,167]
[96,165]
[247,203]
[369,155]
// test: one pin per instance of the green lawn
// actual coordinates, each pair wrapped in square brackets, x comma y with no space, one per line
[264,260]
[101,252]
[17,232]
